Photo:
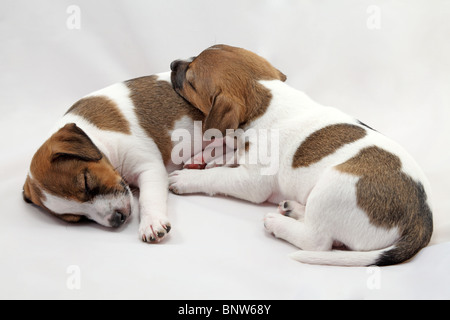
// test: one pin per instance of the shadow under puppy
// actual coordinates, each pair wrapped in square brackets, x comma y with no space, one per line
[346,184]
[111,138]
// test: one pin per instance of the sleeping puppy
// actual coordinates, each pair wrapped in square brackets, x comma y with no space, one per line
[348,186]
[110,139]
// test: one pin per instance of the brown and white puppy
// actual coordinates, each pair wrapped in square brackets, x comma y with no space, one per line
[111,138]
[349,186]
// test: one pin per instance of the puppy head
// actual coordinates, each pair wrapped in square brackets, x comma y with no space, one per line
[70,177]
[223,83]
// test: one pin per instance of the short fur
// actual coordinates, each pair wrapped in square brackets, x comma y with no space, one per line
[350,186]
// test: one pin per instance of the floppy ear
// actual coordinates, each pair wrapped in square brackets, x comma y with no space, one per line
[71,142]
[30,193]
[226,113]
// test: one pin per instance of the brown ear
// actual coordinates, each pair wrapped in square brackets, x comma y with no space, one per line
[226,113]
[71,142]
[31,193]
[282,76]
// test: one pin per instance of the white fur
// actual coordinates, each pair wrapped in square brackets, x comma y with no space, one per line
[135,156]
[164,76]
[332,213]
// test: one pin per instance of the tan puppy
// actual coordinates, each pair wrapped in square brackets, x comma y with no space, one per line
[349,186]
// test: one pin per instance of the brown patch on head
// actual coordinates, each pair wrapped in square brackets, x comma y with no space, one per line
[70,166]
[223,83]
[325,142]
[33,194]
[158,107]
[101,112]
[391,198]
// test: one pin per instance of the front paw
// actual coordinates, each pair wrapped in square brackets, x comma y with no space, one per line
[273,222]
[182,181]
[154,231]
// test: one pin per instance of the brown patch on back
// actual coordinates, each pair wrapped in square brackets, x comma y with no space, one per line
[325,142]
[391,199]
[102,112]
[158,107]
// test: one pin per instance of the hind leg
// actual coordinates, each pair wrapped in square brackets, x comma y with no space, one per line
[292,209]
[299,233]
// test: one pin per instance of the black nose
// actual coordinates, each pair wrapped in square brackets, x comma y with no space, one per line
[117,219]
[174,65]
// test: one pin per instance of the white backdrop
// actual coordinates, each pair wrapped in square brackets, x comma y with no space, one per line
[385,62]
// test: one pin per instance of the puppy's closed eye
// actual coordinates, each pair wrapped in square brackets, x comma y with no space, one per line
[87,181]
[87,184]
[191,84]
